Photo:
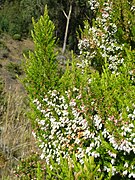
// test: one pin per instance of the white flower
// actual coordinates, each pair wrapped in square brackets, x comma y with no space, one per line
[112,161]
[125,172]
[77,141]
[126,165]
[97,121]
[72,103]
[51,167]
[42,156]
[75,89]
[65,113]
[34,134]
[65,106]
[54,93]
[86,133]
[42,122]
[88,150]
[112,154]
[94,154]
[36,101]
[131,175]
[81,161]
[113,170]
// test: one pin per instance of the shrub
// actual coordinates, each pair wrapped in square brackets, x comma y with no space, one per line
[17,37]
[40,66]
[90,114]
[72,169]
[14,69]
[4,24]
[29,168]
[35,168]
[99,41]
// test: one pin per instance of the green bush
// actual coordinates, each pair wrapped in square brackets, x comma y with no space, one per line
[31,168]
[17,37]
[70,169]
[4,23]
[40,66]
[95,119]
[14,69]
[73,170]
[89,114]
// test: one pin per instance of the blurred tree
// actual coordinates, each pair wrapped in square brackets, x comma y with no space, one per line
[80,11]
[20,12]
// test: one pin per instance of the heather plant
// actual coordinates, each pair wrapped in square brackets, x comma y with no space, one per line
[94,120]
[74,170]
[88,114]
[99,42]
[40,65]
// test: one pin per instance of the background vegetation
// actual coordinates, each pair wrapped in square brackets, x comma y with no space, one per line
[82,111]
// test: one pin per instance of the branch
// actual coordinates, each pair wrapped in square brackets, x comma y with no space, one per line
[69,13]
[67,26]
[65,14]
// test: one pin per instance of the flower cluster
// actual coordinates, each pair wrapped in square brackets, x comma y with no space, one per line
[94,4]
[65,128]
[63,125]
[101,40]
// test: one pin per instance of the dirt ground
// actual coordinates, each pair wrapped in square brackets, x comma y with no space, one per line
[11,55]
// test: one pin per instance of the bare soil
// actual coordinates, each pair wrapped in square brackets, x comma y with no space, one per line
[14,56]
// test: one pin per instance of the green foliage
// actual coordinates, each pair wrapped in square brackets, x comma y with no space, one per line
[99,101]
[123,16]
[4,24]
[73,170]
[40,66]
[31,167]
[11,18]
[90,114]
[17,37]
[14,69]
[15,16]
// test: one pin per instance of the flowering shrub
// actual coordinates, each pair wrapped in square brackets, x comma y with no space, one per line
[98,42]
[97,122]
[87,114]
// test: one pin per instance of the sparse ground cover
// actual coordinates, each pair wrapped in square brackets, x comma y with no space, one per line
[16,141]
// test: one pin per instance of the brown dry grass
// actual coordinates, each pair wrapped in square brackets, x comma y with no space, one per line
[16,140]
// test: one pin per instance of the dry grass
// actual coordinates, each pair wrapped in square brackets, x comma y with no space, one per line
[16,141]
